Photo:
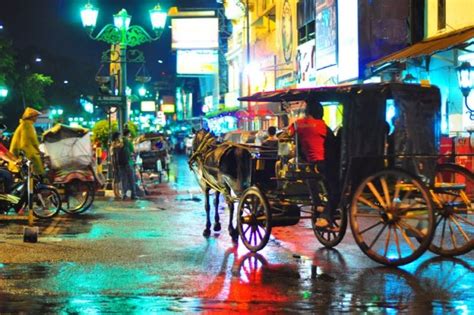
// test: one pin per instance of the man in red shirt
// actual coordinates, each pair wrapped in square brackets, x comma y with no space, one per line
[313,137]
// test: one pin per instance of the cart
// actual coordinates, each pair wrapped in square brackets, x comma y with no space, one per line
[398,200]
[153,158]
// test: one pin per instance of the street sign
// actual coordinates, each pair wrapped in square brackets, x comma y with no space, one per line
[110,100]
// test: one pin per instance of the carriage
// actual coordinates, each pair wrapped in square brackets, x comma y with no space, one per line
[397,197]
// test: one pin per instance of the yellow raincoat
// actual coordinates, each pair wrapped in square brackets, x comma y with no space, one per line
[25,139]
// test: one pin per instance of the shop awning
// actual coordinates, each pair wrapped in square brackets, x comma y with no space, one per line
[430,46]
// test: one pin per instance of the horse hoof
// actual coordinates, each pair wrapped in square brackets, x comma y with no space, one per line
[206,233]
[217,227]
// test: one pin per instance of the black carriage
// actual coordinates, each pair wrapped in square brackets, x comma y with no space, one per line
[399,200]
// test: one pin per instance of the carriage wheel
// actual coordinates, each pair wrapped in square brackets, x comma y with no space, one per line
[454,194]
[254,219]
[392,218]
[334,234]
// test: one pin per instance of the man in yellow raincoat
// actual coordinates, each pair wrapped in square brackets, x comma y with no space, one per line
[25,139]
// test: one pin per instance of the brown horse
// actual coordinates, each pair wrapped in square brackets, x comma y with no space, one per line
[224,168]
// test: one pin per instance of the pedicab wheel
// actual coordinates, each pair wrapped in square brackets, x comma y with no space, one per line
[333,234]
[254,219]
[78,196]
[453,194]
[46,202]
[392,218]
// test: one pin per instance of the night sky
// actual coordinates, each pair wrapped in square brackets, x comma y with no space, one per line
[55,26]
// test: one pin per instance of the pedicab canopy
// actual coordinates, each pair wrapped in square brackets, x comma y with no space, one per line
[68,146]
[404,117]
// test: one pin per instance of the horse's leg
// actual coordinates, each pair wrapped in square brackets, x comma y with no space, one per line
[234,234]
[217,223]
[207,207]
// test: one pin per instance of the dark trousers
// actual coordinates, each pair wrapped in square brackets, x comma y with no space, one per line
[127,180]
[330,184]
[7,179]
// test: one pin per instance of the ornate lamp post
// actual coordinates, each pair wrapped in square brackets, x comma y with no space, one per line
[125,35]
[466,83]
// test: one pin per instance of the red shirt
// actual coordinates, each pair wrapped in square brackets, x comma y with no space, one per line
[3,149]
[311,136]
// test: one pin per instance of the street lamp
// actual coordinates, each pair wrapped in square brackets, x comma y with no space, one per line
[466,83]
[3,92]
[125,35]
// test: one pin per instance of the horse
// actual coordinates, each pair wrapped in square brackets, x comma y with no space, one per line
[222,167]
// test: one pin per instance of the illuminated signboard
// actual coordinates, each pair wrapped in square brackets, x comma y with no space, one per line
[147,106]
[348,63]
[325,33]
[197,62]
[194,33]
[168,108]
[305,65]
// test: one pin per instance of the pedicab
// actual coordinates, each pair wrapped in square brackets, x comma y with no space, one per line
[152,158]
[398,200]
[71,166]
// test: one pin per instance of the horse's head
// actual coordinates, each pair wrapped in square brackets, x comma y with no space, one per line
[203,140]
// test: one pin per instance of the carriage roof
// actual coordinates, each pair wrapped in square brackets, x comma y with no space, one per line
[364,116]
[60,131]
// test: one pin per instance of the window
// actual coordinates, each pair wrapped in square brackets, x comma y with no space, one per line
[441,14]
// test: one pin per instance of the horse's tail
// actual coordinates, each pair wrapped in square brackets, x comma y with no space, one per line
[243,167]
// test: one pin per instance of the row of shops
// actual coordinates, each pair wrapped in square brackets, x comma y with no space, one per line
[312,43]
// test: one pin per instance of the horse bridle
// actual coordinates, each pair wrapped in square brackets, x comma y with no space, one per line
[200,148]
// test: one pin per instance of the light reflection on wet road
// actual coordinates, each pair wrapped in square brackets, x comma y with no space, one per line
[150,257]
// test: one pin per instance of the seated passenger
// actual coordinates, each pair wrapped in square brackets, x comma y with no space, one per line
[271,142]
[313,137]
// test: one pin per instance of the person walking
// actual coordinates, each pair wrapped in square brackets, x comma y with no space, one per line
[25,140]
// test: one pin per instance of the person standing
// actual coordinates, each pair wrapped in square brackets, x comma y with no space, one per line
[315,139]
[25,140]
[122,161]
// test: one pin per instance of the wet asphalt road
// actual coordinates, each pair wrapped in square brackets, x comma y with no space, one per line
[149,256]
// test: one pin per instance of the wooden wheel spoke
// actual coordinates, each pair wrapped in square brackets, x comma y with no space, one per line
[386,192]
[412,229]
[453,236]
[443,230]
[377,236]
[259,233]
[461,230]
[247,229]
[397,241]
[387,241]
[370,227]
[376,193]
[367,202]
[465,220]
[407,239]
[367,215]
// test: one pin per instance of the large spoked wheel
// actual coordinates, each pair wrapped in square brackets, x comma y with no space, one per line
[254,219]
[454,196]
[46,202]
[78,196]
[334,234]
[392,218]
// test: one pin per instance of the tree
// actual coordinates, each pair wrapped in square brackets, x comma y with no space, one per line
[32,89]
[101,131]
[7,63]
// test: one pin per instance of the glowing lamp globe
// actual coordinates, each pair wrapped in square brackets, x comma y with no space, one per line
[89,16]
[158,18]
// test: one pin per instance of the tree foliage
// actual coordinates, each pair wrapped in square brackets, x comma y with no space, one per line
[33,88]
[7,63]
[101,131]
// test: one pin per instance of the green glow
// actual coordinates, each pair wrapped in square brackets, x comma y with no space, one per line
[3,91]
[158,18]
[122,20]
[89,16]
[142,91]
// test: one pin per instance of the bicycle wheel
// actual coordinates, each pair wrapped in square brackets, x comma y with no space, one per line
[46,202]
[453,194]
[78,196]
[392,218]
